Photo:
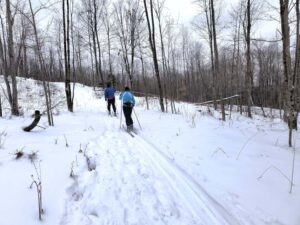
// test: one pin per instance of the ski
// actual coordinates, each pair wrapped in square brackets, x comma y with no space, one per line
[112,115]
[128,132]
[134,131]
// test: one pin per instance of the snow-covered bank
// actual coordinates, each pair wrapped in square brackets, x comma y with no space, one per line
[180,169]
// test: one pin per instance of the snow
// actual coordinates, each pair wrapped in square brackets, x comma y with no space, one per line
[188,168]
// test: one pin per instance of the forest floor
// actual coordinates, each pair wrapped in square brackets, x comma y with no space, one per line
[186,168]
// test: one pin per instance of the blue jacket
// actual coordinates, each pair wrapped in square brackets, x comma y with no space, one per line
[127,98]
[109,93]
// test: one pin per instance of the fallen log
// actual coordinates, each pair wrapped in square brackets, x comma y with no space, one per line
[37,117]
[223,99]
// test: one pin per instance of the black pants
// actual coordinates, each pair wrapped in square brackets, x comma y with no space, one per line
[127,113]
[111,102]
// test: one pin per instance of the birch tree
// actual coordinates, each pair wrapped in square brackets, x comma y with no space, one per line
[289,76]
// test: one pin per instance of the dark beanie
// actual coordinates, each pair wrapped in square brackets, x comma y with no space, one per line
[127,88]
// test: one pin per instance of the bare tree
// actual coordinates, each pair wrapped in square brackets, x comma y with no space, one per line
[3,58]
[296,77]
[249,73]
[208,6]
[236,79]
[159,7]
[208,34]
[151,30]
[289,77]
[107,25]
[216,54]
[128,18]
[66,32]
[96,41]
[42,66]
[11,68]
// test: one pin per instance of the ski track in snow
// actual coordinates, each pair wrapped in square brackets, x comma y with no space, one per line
[132,170]
[201,204]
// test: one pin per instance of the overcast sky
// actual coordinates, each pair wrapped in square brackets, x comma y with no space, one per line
[186,10]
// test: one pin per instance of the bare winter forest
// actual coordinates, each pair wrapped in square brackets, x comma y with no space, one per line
[217,57]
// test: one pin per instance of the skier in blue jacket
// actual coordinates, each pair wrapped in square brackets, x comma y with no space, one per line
[128,102]
[109,94]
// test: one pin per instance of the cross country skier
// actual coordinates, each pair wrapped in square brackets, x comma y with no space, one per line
[128,101]
[109,94]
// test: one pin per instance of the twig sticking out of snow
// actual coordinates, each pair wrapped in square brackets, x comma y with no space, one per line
[221,150]
[249,139]
[276,169]
[83,150]
[38,184]
[193,120]
[90,163]
[32,156]
[67,145]
[19,153]
[72,169]
[3,135]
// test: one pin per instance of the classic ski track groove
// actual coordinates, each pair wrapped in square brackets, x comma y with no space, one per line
[195,197]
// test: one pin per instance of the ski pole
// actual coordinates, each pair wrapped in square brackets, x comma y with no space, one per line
[107,106]
[121,114]
[137,119]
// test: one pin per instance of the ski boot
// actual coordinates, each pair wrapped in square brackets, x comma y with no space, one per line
[130,128]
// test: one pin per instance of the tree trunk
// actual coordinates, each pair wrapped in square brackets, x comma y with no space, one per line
[216,53]
[11,63]
[151,30]
[107,27]
[0,106]
[248,59]
[286,56]
[164,62]
[295,78]
[210,36]
[42,67]
[95,35]
[66,27]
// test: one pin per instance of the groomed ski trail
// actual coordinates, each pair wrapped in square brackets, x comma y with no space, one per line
[133,184]
[196,198]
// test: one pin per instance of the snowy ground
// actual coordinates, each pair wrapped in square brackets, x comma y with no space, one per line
[180,169]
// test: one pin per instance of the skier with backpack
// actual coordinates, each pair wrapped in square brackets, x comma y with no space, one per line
[109,95]
[128,103]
